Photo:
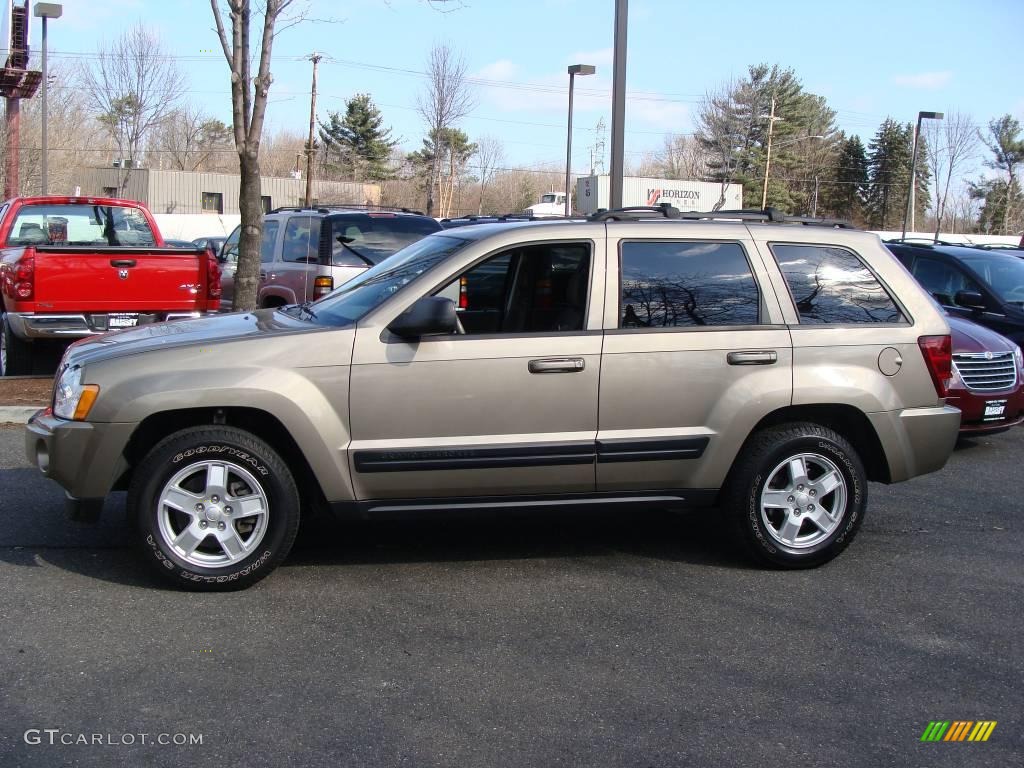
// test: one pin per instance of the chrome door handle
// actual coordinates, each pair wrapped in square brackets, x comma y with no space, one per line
[753,357]
[557,365]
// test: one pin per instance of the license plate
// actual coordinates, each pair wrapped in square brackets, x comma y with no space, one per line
[995,409]
[122,321]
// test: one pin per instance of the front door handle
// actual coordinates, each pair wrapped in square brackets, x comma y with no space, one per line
[558,365]
[263,275]
[753,357]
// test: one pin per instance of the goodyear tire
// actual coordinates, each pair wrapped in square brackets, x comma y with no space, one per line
[215,508]
[796,495]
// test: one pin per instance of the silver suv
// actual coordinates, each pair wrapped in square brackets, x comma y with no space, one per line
[767,367]
[308,252]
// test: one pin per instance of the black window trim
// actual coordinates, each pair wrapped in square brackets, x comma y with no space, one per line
[908,318]
[388,338]
[689,328]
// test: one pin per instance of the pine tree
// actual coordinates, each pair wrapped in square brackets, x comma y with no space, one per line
[888,174]
[356,144]
[846,197]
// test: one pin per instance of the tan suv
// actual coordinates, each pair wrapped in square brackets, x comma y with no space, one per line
[764,366]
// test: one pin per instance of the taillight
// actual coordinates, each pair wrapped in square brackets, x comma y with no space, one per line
[938,356]
[463,293]
[322,286]
[22,286]
[213,286]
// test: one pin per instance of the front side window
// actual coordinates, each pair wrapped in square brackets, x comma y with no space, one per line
[686,284]
[230,250]
[1005,274]
[943,281]
[80,224]
[538,288]
[832,285]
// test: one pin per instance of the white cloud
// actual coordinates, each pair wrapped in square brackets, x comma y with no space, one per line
[503,69]
[930,81]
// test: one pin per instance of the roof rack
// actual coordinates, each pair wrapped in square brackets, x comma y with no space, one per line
[772,215]
[331,207]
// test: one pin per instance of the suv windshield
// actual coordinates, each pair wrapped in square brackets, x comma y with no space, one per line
[375,236]
[1004,275]
[80,224]
[372,288]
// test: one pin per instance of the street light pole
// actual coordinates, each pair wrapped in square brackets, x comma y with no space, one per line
[46,11]
[913,169]
[618,105]
[575,69]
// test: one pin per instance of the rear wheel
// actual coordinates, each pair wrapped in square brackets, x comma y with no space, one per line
[15,354]
[796,497]
[216,508]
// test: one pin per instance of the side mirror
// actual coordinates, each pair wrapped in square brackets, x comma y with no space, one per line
[969,299]
[428,316]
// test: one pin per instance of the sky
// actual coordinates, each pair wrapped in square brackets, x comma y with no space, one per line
[869,59]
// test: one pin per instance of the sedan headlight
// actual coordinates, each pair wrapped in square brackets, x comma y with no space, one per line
[71,398]
[1019,357]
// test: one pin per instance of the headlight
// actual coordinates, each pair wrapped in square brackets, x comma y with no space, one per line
[72,399]
[1020,357]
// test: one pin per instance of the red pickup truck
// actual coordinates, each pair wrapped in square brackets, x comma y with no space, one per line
[72,267]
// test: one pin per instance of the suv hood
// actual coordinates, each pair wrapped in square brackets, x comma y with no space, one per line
[968,336]
[183,333]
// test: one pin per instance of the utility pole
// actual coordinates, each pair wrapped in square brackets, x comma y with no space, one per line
[814,207]
[315,58]
[768,159]
[618,105]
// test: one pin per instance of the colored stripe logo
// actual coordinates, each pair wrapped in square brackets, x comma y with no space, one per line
[958,730]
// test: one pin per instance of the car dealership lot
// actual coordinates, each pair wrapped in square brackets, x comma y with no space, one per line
[554,640]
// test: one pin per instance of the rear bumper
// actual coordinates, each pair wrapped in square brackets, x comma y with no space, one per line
[28,325]
[86,459]
[916,440]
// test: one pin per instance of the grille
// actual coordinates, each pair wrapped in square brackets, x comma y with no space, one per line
[982,374]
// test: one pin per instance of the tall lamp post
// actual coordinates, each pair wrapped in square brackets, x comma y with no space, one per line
[913,169]
[45,11]
[768,159]
[581,70]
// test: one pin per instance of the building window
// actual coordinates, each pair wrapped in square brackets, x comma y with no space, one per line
[213,202]
[686,285]
[267,205]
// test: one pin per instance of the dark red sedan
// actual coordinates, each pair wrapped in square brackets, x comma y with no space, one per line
[988,379]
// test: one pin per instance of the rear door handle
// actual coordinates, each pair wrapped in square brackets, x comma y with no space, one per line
[753,357]
[122,263]
[558,365]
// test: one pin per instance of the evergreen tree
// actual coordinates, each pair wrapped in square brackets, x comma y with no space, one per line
[888,175]
[1007,147]
[356,144]
[1001,206]
[447,150]
[846,197]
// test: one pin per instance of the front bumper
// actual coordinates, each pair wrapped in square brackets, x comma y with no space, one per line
[27,325]
[916,441]
[85,458]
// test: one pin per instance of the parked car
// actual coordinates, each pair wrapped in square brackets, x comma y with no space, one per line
[213,243]
[766,367]
[308,252]
[988,379]
[984,286]
[73,267]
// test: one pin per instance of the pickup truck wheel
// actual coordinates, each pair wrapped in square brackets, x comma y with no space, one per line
[796,496]
[15,353]
[216,508]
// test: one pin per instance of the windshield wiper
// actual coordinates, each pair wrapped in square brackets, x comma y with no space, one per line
[345,244]
[305,308]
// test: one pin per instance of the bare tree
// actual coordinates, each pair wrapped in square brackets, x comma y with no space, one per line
[189,140]
[249,107]
[720,132]
[489,155]
[952,143]
[446,100]
[133,86]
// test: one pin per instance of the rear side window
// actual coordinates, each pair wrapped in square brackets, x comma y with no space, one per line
[301,240]
[359,238]
[686,284]
[80,224]
[832,285]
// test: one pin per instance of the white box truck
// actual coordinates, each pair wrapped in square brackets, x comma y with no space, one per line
[593,193]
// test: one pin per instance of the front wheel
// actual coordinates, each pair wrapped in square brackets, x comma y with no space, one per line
[215,507]
[796,496]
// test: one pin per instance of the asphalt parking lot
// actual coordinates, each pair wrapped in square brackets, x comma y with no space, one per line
[627,640]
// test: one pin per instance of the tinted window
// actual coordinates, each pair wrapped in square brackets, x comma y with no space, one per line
[531,289]
[230,251]
[942,280]
[832,285]
[356,238]
[1004,274]
[80,224]
[679,285]
[301,240]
